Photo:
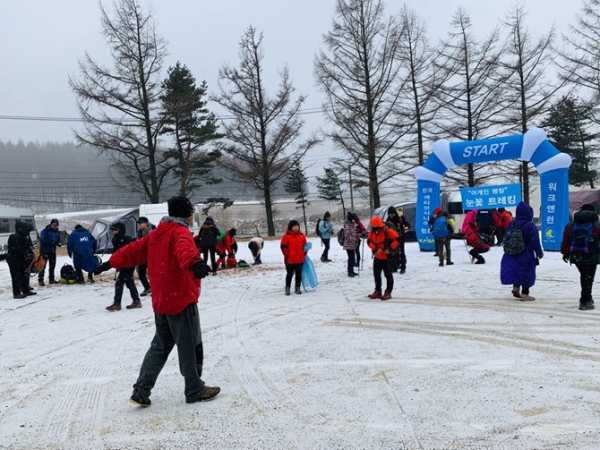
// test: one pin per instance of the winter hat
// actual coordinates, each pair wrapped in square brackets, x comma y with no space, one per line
[392,210]
[209,221]
[78,227]
[588,207]
[352,216]
[120,227]
[445,214]
[501,210]
[438,210]
[376,222]
[143,220]
[180,207]
[54,221]
[232,232]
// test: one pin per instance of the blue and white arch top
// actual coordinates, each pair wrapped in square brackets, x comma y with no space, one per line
[533,146]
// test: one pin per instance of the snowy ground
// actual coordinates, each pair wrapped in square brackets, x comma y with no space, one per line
[453,361]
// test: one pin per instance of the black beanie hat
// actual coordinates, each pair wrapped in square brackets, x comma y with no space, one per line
[588,207]
[54,221]
[232,232]
[180,207]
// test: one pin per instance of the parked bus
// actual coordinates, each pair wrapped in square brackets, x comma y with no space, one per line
[8,219]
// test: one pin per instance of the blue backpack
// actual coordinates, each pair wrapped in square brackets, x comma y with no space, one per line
[440,228]
[582,243]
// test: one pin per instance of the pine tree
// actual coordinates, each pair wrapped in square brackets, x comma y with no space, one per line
[566,126]
[297,183]
[191,126]
[330,188]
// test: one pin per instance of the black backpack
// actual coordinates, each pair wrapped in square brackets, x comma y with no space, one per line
[514,244]
[68,274]
[340,237]
[484,219]
[317,230]
[582,241]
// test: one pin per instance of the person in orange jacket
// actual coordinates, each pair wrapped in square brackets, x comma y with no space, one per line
[382,240]
[224,248]
[292,247]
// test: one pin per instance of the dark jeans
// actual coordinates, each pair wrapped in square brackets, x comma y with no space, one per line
[351,262]
[587,273]
[141,270]
[293,269]
[205,252]
[402,256]
[125,280]
[325,255]
[440,244]
[51,263]
[184,331]
[357,251]
[384,265]
[19,278]
[79,275]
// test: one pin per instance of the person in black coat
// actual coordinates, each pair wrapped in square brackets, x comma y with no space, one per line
[144,227]
[401,224]
[19,257]
[125,278]
[207,241]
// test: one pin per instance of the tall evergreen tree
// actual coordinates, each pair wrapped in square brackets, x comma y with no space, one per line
[329,188]
[191,126]
[297,183]
[567,126]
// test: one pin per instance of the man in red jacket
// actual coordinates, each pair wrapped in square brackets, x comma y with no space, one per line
[382,241]
[175,269]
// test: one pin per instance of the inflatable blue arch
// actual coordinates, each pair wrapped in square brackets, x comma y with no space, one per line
[550,163]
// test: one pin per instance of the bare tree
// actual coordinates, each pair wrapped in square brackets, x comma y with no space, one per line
[470,98]
[120,105]
[527,90]
[361,77]
[422,82]
[261,138]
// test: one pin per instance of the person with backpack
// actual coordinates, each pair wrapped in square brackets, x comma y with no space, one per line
[144,227]
[400,226]
[362,231]
[207,241]
[81,246]
[125,277]
[431,223]
[175,270]
[292,247]
[443,228]
[351,242]
[18,257]
[324,230]
[479,243]
[49,240]
[505,220]
[382,241]
[581,246]
[522,250]
[256,245]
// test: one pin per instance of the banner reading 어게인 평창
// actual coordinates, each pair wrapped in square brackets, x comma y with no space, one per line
[490,197]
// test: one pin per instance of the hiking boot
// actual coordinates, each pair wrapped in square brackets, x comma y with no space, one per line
[352,274]
[146,292]
[582,306]
[91,280]
[208,394]
[515,292]
[223,266]
[436,254]
[449,263]
[20,296]
[134,304]
[442,264]
[287,291]
[215,272]
[30,293]
[402,271]
[138,399]
[52,281]
[41,283]
[386,296]
[298,291]
[328,260]
[527,298]
[114,307]
[322,259]
[375,294]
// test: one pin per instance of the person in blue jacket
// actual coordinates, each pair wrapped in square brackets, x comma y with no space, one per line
[326,230]
[81,246]
[519,270]
[49,240]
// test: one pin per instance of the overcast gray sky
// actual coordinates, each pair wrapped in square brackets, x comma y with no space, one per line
[41,40]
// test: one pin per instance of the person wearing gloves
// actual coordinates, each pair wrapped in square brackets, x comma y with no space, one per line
[382,241]
[175,270]
[81,246]
[256,245]
[49,240]
[292,247]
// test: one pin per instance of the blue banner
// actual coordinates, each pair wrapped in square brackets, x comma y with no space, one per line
[490,197]
[428,198]
[496,149]
[555,207]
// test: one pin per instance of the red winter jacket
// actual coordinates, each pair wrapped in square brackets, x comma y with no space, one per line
[170,252]
[224,247]
[475,241]
[292,247]
[506,219]
[383,241]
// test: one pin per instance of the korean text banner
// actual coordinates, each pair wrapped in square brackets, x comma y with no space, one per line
[489,197]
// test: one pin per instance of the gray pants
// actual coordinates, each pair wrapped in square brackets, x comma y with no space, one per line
[183,330]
